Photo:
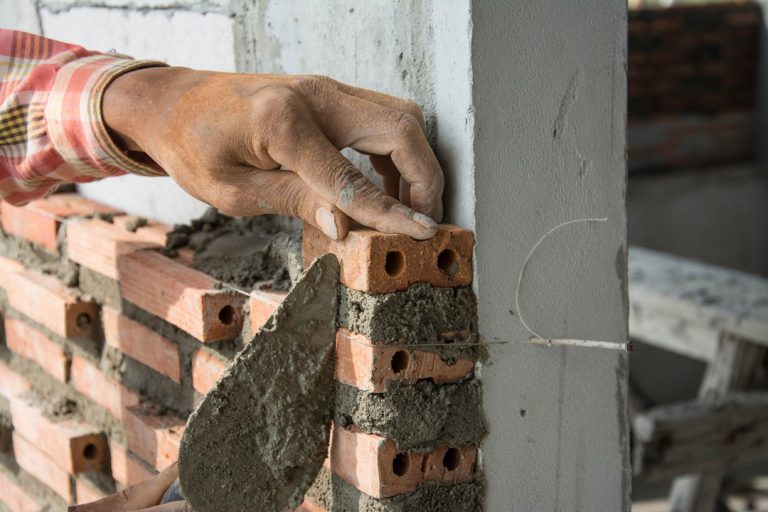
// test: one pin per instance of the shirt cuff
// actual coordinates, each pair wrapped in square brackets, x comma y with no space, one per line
[75,122]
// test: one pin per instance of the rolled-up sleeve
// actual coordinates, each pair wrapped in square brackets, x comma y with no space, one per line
[51,124]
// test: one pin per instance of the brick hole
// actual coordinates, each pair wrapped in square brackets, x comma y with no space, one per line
[84,321]
[227,315]
[90,451]
[400,361]
[452,459]
[395,263]
[448,262]
[400,464]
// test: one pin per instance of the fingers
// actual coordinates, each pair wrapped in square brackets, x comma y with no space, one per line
[371,128]
[335,179]
[140,496]
[285,193]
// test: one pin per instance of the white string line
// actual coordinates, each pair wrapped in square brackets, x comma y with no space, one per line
[536,340]
[525,264]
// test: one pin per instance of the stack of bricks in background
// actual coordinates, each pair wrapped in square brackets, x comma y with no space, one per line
[407,419]
[108,344]
[692,82]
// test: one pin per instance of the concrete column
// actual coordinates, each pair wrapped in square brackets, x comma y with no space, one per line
[549,91]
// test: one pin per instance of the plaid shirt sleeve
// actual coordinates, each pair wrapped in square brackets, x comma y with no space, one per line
[51,125]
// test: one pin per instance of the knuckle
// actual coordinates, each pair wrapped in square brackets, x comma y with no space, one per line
[313,85]
[278,101]
[406,125]
[413,109]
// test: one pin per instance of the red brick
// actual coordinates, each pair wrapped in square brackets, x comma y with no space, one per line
[207,367]
[47,301]
[127,468]
[90,381]
[73,446]
[261,305]
[40,466]
[97,244]
[8,268]
[152,232]
[28,342]
[363,365]
[380,262]
[38,221]
[450,464]
[141,343]
[12,384]
[155,439]
[15,497]
[87,492]
[372,463]
[182,296]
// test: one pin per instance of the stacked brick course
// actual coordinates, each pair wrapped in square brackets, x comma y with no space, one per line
[108,344]
[692,81]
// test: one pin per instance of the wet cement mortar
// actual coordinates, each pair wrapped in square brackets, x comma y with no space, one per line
[260,436]
[333,493]
[38,258]
[242,251]
[421,315]
[419,417]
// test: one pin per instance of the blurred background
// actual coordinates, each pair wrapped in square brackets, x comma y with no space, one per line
[698,199]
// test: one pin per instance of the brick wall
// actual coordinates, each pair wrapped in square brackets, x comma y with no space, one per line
[692,85]
[108,345]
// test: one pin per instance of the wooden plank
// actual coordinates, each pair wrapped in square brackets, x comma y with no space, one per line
[674,300]
[701,436]
[733,368]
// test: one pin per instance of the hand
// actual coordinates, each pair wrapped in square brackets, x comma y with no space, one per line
[143,497]
[255,144]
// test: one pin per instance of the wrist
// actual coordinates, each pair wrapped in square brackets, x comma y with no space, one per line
[131,100]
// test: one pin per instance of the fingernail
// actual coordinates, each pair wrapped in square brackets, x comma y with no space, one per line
[327,223]
[424,221]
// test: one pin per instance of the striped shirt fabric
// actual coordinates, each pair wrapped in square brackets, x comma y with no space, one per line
[51,125]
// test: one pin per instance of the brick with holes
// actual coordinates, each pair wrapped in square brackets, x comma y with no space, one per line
[180,295]
[74,446]
[367,366]
[381,262]
[47,301]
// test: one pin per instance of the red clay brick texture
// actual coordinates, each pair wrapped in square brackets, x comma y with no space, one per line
[207,367]
[127,468]
[88,379]
[379,262]
[42,467]
[370,367]
[38,221]
[692,79]
[182,296]
[97,244]
[15,497]
[141,343]
[11,382]
[47,301]
[72,445]
[155,439]
[29,342]
[262,304]
[374,466]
